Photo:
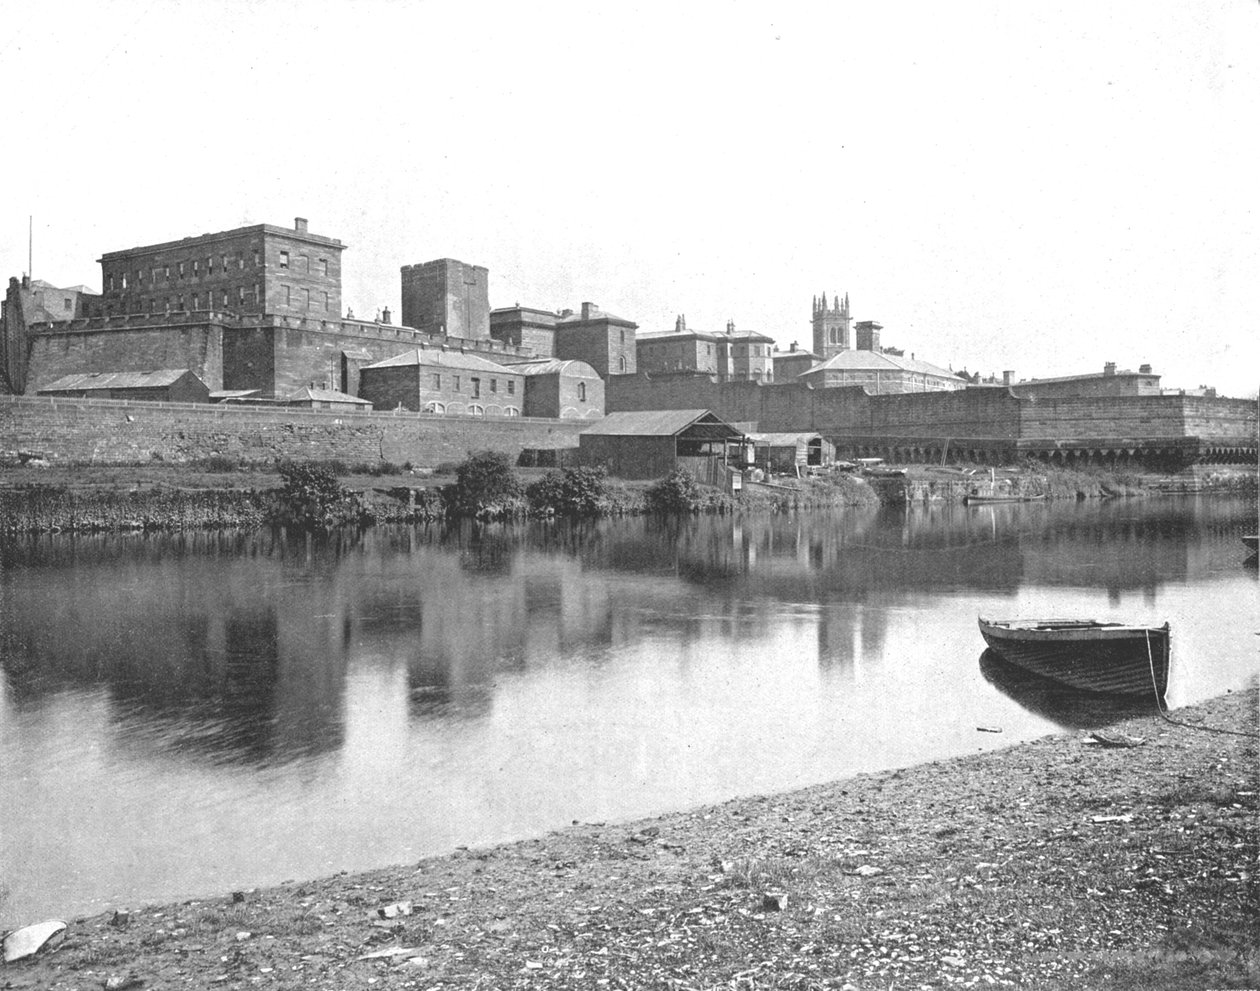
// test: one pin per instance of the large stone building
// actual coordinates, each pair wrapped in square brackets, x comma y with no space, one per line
[880,373]
[1108,382]
[258,269]
[736,355]
[434,380]
[603,340]
[31,301]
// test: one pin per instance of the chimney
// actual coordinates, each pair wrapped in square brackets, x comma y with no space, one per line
[730,326]
[299,224]
[385,315]
[793,347]
[1109,368]
[1008,377]
[1144,369]
[680,324]
[588,311]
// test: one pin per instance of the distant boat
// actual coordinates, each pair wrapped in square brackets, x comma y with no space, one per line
[981,497]
[1109,658]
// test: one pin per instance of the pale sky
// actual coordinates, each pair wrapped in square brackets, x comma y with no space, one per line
[1040,187]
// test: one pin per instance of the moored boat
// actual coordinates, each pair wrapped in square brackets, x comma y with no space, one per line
[1110,658]
[980,497]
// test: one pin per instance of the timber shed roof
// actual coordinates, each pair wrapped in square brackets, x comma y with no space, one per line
[662,423]
[117,380]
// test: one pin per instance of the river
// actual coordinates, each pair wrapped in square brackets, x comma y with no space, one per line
[185,715]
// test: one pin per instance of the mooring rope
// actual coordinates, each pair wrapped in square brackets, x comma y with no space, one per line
[1159,702]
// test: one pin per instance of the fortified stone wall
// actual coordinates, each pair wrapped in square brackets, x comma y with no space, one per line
[1120,417]
[139,348]
[81,431]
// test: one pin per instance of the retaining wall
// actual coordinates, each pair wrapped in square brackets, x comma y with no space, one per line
[113,432]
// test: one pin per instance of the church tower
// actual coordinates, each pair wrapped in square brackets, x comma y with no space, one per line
[831,326]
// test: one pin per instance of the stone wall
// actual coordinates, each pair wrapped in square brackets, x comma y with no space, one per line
[75,348]
[84,431]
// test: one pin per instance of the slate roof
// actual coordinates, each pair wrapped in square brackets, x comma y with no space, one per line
[554,366]
[596,314]
[328,396]
[876,361]
[445,359]
[658,423]
[116,380]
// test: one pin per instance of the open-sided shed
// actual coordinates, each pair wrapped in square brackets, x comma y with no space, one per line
[790,453]
[652,443]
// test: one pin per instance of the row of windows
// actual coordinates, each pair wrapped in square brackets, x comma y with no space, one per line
[194,269]
[325,298]
[470,410]
[457,381]
[651,348]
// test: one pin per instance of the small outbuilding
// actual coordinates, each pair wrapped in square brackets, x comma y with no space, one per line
[789,453]
[329,399]
[652,443]
[561,389]
[163,385]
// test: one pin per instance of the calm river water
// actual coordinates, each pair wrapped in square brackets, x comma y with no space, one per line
[181,716]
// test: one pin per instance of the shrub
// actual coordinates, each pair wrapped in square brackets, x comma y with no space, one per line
[485,482]
[677,492]
[571,492]
[310,497]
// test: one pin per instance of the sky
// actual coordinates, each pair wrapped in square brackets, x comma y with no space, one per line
[1035,187]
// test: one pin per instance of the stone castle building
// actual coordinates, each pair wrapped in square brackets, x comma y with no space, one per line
[255,313]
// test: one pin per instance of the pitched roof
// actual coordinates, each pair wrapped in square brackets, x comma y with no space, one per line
[554,366]
[657,423]
[855,360]
[328,396]
[783,439]
[652,336]
[117,380]
[595,314]
[445,359]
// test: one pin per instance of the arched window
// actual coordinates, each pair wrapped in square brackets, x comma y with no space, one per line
[622,363]
[582,391]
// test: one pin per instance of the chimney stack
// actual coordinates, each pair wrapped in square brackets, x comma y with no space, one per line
[588,311]
[1144,369]
[385,316]
[1008,377]
[793,347]
[680,324]
[1109,368]
[299,224]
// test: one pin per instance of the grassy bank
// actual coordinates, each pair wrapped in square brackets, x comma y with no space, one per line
[1054,864]
[176,497]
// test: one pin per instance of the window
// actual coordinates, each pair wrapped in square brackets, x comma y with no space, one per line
[240,261]
[582,392]
[511,387]
[623,337]
[124,280]
[65,303]
[437,380]
[306,263]
[179,302]
[323,266]
[494,385]
[223,262]
[327,304]
[476,384]
[240,294]
[284,259]
[166,272]
[195,300]
[288,295]
[223,298]
[196,268]
[456,385]
[255,257]
[155,275]
[109,283]
[622,364]
[209,264]
[179,269]
[306,299]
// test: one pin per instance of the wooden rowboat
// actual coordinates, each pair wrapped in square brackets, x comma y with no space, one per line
[1109,658]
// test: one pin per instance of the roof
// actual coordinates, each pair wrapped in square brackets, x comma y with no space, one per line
[117,380]
[783,440]
[442,358]
[595,314]
[877,361]
[554,366]
[290,233]
[233,393]
[328,396]
[653,336]
[1087,375]
[660,423]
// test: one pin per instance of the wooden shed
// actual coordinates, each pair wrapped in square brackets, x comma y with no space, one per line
[791,453]
[652,443]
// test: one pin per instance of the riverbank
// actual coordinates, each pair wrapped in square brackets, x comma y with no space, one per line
[91,499]
[1055,864]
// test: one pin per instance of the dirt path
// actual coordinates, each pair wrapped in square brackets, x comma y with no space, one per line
[1058,863]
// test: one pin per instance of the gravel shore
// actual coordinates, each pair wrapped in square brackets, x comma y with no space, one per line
[1068,862]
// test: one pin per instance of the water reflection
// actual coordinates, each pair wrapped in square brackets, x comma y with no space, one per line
[479,682]
[1058,703]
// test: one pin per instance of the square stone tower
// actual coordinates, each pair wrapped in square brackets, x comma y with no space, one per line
[448,297]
